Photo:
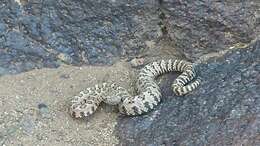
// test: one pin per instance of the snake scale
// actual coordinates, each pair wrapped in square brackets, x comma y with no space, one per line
[149,93]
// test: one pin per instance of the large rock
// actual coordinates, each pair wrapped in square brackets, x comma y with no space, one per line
[224,110]
[36,34]
[200,27]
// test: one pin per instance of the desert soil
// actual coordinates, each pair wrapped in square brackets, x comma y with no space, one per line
[34,106]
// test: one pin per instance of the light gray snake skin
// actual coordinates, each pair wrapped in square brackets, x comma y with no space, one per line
[149,95]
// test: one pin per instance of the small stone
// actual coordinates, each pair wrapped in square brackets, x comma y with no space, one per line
[150,44]
[137,62]
[28,125]
[65,58]
[65,76]
[44,110]
[42,105]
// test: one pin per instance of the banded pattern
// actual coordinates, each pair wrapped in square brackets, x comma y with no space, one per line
[149,93]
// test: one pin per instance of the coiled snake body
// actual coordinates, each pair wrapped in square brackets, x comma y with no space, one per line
[149,95]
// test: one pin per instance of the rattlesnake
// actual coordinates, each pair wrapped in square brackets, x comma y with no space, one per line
[149,95]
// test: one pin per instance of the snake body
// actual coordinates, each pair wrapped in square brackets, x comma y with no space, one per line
[149,93]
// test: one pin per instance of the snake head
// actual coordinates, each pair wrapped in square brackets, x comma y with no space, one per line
[132,106]
[126,107]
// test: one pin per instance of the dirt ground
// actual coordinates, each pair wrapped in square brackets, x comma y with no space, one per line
[34,106]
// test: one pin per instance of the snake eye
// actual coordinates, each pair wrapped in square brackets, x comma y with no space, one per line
[130,102]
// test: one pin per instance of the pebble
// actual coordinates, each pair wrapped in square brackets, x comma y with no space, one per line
[137,62]
[44,110]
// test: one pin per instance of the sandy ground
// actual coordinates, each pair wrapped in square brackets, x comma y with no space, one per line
[34,106]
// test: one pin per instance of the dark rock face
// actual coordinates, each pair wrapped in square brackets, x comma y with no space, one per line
[223,111]
[199,27]
[37,34]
